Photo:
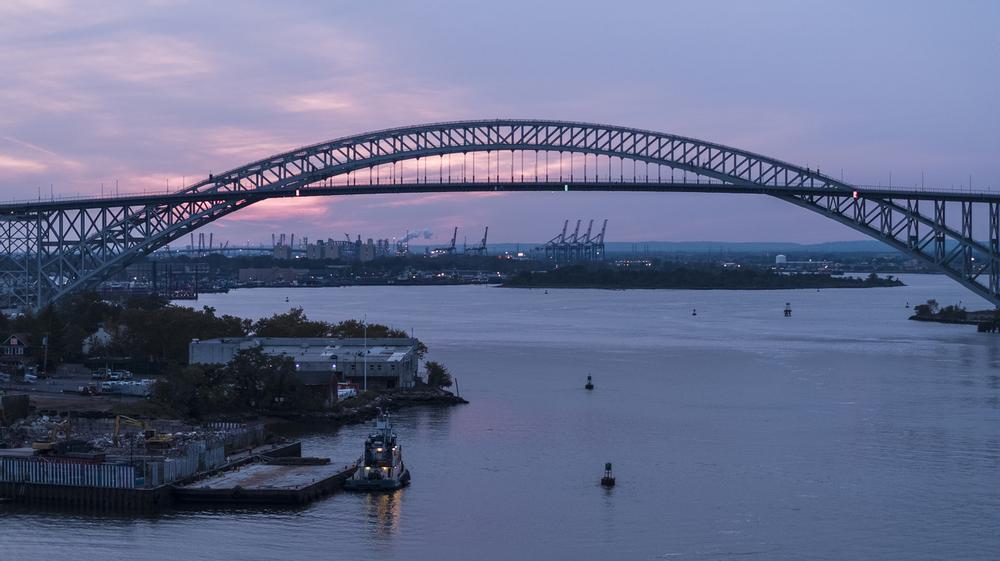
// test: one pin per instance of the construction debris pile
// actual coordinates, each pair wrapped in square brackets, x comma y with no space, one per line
[124,436]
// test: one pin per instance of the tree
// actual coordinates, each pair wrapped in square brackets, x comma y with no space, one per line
[926,310]
[295,323]
[437,375]
[162,335]
[292,323]
[253,382]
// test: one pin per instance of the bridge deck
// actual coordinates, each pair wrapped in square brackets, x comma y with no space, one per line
[19,207]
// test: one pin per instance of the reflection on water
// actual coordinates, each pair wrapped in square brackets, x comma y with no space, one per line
[382,511]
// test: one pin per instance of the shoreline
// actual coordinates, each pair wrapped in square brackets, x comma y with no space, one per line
[395,400]
[345,413]
[609,287]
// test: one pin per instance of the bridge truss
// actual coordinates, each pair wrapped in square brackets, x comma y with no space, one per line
[51,248]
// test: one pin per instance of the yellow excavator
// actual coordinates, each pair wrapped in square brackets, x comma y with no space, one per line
[60,432]
[149,434]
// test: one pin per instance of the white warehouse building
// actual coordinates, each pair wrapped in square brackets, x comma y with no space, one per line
[390,363]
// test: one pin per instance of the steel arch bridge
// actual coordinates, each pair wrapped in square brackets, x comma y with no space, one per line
[51,248]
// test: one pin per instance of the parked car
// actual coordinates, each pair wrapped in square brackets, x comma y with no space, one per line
[118,375]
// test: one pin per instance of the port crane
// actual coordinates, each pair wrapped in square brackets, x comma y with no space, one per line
[566,248]
[448,250]
[481,248]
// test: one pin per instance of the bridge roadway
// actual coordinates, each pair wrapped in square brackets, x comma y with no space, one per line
[415,187]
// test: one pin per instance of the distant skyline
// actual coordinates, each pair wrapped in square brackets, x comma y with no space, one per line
[158,93]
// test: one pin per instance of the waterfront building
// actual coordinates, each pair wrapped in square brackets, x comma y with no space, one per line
[390,363]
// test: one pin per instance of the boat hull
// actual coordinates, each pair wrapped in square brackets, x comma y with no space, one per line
[353,484]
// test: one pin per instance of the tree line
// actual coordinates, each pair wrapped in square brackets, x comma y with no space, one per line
[151,336]
[667,276]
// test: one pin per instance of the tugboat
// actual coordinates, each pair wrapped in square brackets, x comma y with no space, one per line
[381,467]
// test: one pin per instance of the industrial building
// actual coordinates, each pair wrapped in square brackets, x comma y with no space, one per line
[389,363]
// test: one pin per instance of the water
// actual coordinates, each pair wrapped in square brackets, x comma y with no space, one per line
[845,432]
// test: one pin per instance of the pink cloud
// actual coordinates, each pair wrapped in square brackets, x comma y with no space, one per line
[10,164]
[316,102]
[395,201]
[300,210]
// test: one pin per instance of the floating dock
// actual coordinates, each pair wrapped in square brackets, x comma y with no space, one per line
[284,483]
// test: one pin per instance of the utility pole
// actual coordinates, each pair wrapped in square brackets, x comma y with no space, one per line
[45,360]
[364,325]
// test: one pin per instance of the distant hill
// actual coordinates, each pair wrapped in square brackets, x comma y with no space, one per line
[859,246]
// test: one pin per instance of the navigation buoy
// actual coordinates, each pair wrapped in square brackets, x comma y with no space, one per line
[286,299]
[694,312]
[590,384]
[788,310]
[608,480]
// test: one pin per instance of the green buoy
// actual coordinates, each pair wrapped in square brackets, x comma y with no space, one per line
[608,480]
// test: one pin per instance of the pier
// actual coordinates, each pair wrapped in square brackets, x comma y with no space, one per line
[271,483]
[268,474]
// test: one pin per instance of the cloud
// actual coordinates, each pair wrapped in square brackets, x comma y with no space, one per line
[143,59]
[20,165]
[49,158]
[407,201]
[316,102]
[303,211]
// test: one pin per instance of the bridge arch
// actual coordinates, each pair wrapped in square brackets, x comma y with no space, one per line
[55,247]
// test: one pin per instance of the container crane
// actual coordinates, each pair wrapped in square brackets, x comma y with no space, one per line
[481,248]
[450,248]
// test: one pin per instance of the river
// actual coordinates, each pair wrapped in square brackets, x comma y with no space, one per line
[843,432]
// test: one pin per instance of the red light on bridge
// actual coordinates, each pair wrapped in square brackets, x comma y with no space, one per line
[856,195]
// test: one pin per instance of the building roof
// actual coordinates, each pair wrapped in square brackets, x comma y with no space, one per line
[321,349]
[17,339]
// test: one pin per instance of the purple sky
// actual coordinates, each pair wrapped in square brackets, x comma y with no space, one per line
[151,92]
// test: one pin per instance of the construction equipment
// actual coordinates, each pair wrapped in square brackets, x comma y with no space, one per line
[149,434]
[59,432]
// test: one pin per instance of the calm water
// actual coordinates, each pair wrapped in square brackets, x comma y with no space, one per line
[845,432]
